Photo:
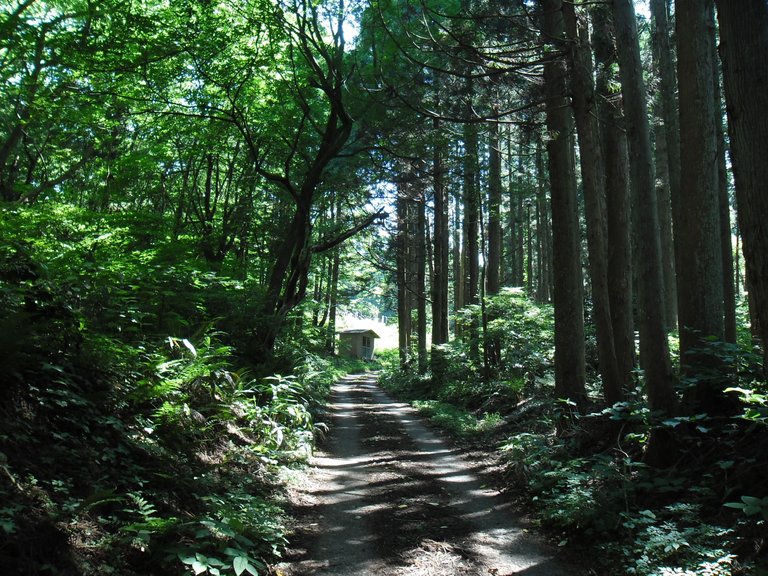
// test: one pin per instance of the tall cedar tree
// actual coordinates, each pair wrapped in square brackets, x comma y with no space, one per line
[700,272]
[664,54]
[724,202]
[654,348]
[440,254]
[420,233]
[744,52]
[593,180]
[402,250]
[618,201]
[570,368]
[493,265]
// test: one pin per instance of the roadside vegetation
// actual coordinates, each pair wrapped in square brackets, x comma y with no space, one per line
[582,476]
[135,437]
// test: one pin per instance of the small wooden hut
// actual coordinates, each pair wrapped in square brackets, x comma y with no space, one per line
[357,343]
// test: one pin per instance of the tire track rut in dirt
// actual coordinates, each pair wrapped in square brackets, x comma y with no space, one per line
[387,496]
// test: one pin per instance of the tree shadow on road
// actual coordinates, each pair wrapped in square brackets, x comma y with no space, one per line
[388,497]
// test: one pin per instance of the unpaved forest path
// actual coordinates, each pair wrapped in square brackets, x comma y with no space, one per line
[387,497]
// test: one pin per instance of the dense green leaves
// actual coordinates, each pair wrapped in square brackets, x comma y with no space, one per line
[116,332]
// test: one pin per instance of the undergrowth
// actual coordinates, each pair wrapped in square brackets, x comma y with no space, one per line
[583,477]
[134,440]
[169,473]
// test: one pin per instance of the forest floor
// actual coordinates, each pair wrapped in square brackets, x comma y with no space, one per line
[386,495]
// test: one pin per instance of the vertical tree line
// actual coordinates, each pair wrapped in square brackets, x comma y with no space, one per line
[521,143]
[646,191]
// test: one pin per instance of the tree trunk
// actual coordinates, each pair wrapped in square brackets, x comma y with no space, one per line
[665,224]
[568,289]
[664,56]
[471,232]
[525,140]
[546,229]
[540,270]
[403,293]
[726,242]
[289,275]
[333,282]
[529,280]
[440,238]
[413,289]
[333,301]
[618,201]
[23,113]
[421,278]
[471,214]
[322,302]
[441,252]
[593,181]
[515,263]
[654,349]
[700,275]
[744,52]
[493,266]
[286,285]
[510,265]
[458,258]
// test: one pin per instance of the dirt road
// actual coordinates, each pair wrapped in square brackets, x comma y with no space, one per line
[387,497]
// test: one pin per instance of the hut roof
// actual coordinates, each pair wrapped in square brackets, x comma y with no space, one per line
[363,331]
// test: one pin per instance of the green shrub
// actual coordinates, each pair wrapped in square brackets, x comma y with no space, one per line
[457,420]
[131,441]
[673,540]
